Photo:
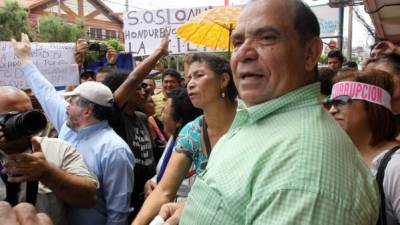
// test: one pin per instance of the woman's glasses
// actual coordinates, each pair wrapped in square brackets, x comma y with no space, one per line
[341,102]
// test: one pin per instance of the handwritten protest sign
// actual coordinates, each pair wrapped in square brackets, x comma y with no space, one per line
[144,30]
[54,60]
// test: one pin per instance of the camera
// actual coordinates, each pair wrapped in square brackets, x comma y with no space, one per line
[97,47]
[17,125]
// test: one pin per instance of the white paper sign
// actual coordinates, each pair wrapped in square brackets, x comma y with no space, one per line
[54,60]
[328,19]
[143,30]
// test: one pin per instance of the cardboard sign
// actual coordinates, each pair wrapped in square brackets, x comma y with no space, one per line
[54,60]
[144,30]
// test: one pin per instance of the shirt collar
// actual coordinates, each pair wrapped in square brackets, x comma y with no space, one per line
[86,131]
[291,100]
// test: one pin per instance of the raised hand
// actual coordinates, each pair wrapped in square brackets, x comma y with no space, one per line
[111,56]
[22,49]
[164,44]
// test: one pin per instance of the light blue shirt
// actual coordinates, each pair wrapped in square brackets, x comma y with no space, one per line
[105,153]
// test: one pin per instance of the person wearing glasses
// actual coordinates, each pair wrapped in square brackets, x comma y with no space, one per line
[361,106]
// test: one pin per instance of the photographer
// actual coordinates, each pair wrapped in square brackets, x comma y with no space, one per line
[82,121]
[110,59]
[63,175]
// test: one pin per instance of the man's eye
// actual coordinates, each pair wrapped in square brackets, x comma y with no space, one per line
[269,38]
[236,43]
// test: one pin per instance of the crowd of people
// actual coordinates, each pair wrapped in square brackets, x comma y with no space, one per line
[266,137]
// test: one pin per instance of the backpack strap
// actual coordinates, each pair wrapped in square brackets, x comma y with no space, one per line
[379,179]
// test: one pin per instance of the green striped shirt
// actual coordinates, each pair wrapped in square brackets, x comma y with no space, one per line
[284,161]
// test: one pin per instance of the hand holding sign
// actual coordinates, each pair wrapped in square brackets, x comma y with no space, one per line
[22,49]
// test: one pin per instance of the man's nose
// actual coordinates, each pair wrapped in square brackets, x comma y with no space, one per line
[246,51]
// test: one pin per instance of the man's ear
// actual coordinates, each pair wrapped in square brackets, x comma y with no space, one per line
[312,51]
[87,112]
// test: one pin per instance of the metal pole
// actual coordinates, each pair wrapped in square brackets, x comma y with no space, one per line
[59,8]
[350,34]
[341,15]
[126,5]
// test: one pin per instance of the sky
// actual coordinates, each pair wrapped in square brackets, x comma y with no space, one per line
[360,35]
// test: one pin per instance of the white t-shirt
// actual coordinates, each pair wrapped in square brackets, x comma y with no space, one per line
[391,185]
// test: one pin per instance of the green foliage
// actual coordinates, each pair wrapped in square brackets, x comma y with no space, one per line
[93,56]
[115,44]
[13,21]
[54,29]
[323,58]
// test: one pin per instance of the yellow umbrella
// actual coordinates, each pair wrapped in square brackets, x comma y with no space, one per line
[211,28]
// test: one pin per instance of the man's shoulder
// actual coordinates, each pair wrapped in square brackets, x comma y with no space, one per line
[55,145]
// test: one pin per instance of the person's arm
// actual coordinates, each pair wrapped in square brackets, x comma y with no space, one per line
[124,92]
[52,103]
[117,183]
[72,189]
[165,191]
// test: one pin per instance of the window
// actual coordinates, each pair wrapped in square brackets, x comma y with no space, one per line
[92,33]
[111,34]
[99,35]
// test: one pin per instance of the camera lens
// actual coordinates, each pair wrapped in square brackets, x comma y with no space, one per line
[24,124]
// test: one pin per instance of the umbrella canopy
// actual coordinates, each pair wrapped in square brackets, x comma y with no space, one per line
[211,28]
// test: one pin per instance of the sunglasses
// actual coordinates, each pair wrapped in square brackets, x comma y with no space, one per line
[340,102]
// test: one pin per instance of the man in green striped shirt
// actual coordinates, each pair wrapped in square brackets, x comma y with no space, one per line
[284,159]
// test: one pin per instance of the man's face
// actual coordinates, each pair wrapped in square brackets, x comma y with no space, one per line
[170,83]
[74,113]
[334,63]
[149,86]
[268,60]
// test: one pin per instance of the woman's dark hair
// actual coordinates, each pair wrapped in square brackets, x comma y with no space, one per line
[182,108]
[381,120]
[218,65]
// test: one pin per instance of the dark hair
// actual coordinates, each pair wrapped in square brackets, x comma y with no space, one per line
[99,112]
[182,108]
[305,22]
[381,120]
[325,76]
[351,65]
[172,73]
[219,66]
[116,78]
[392,59]
[336,54]
[87,74]
[150,78]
